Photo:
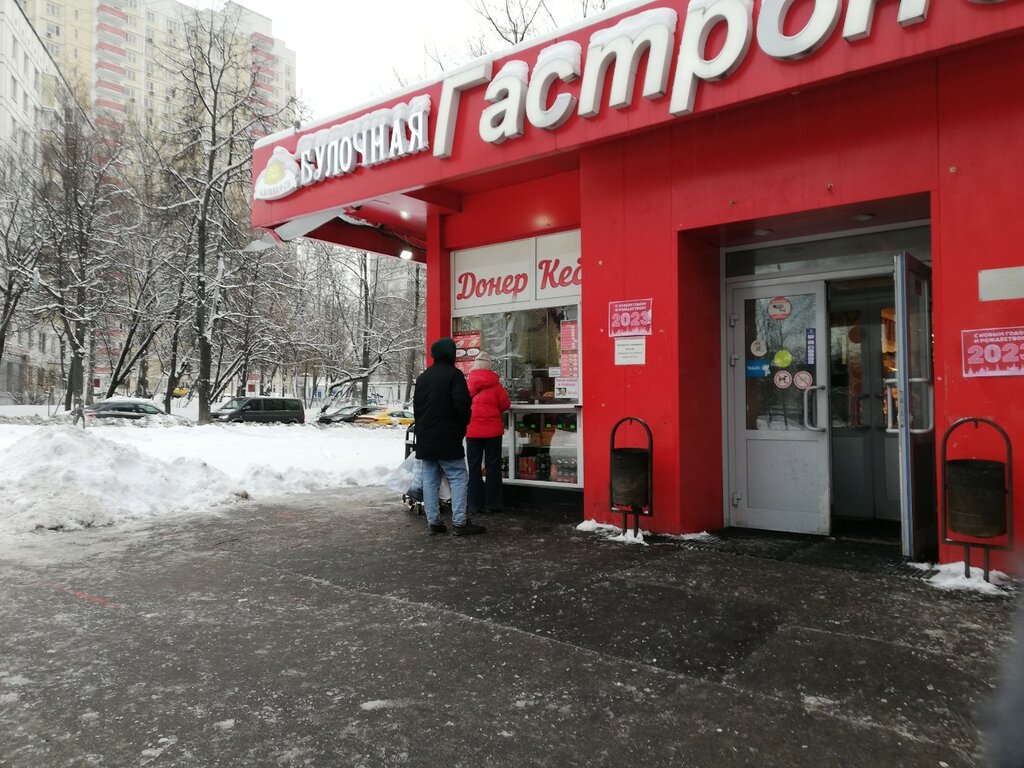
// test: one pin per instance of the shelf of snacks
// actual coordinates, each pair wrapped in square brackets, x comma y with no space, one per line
[546,446]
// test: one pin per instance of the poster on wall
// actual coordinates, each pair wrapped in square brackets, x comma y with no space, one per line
[630,318]
[631,351]
[467,347]
[993,352]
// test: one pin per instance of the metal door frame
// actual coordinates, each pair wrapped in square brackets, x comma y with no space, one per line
[728,284]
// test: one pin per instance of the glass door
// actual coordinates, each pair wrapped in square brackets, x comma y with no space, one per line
[910,411]
[779,417]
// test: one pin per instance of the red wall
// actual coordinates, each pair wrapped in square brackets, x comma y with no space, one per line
[977,213]
[645,204]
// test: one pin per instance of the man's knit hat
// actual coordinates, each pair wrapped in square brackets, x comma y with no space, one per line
[443,350]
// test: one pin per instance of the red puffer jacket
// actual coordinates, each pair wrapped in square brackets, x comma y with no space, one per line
[490,400]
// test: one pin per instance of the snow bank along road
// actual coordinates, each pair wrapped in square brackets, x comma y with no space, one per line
[62,477]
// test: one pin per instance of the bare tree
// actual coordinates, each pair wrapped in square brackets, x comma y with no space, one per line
[360,314]
[82,197]
[219,113]
[506,23]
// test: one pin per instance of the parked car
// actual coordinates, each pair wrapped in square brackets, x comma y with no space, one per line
[126,408]
[386,416]
[262,409]
[347,413]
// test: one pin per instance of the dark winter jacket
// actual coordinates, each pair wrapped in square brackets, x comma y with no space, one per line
[490,400]
[441,406]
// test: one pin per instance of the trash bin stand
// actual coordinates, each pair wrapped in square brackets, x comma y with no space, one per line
[1007,496]
[631,459]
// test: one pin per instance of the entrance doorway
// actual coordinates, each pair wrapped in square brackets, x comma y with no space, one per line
[862,357]
[829,393]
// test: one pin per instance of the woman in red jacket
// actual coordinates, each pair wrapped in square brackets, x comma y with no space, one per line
[483,436]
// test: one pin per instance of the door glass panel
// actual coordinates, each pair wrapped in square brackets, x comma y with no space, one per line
[887,320]
[780,352]
[847,369]
[919,350]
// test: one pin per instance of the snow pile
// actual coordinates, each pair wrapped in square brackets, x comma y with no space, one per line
[612,532]
[69,478]
[950,576]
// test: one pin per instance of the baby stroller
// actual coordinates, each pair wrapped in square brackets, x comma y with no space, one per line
[413,497]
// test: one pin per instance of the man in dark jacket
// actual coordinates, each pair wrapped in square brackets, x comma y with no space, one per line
[442,408]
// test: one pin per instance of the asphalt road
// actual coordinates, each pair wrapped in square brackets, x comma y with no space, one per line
[332,631]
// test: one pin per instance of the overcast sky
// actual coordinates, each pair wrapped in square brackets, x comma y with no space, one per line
[349,51]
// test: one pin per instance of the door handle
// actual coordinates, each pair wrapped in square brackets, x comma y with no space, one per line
[929,406]
[890,406]
[807,421]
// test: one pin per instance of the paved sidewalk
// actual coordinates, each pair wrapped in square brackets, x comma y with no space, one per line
[332,631]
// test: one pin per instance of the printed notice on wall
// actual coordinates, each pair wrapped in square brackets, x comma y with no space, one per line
[993,352]
[630,318]
[631,351]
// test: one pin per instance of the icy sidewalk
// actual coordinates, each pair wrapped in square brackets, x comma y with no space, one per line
[332,630]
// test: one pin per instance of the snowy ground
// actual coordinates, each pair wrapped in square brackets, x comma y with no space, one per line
[59,476]
[56,476]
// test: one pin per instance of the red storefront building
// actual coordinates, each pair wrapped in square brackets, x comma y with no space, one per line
[786,234]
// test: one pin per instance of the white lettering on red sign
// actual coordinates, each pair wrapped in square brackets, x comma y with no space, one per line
[993,352]
[554,275]
[471,286]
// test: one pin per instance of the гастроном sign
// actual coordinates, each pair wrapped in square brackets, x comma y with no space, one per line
[516,95]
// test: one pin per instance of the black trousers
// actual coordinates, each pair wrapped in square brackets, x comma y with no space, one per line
[483,494]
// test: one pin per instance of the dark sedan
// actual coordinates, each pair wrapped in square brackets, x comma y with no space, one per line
[347,413]
[123,408]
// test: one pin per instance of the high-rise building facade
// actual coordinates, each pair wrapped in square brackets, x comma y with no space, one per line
[29,79]
[30,92]
[117,51]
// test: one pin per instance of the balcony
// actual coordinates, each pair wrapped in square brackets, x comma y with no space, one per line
[110,107]
[111,71]
[262,41]
[260,55]
[108,13]
[113,54]
[107,33]
[108,88]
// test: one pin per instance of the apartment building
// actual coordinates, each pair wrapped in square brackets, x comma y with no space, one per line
[30,90]
[119,55]
[116,52]
[29,79]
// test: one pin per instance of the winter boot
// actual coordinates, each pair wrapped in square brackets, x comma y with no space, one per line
[468,529]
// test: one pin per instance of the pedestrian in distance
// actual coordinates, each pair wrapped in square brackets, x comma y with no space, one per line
[483,436]
[442,409]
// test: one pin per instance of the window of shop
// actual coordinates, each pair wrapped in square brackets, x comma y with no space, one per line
[519,302]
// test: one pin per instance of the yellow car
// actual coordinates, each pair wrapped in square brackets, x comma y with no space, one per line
[386,417]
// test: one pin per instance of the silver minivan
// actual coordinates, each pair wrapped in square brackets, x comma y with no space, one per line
[262,409]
